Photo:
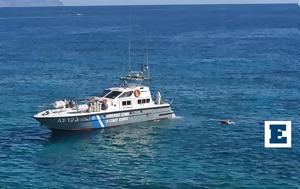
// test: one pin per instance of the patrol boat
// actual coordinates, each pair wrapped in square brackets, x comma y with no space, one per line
[131,102]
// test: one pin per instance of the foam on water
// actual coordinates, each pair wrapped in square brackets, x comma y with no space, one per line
[177,117]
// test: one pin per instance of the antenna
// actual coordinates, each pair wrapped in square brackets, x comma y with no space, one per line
[129,45]
[148,73]
[129,62]
[145,66]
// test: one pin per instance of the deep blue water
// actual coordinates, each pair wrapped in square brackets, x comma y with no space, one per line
[240,62]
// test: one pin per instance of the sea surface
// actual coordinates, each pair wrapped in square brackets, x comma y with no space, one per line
[238,62]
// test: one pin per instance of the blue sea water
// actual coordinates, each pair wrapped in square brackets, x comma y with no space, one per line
[239,62]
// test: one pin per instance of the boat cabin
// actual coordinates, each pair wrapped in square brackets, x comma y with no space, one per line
[120,98]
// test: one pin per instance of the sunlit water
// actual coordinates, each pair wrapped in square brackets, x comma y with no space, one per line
[215,62]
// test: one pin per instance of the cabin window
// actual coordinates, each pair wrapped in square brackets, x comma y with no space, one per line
[143,101]
[113,94]
[126,94]
[126,103]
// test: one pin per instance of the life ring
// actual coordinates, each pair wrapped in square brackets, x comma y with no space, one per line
[137,93]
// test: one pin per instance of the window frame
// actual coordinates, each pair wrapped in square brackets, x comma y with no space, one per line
[126,103]
[105,92]
[114,96]
[123,94]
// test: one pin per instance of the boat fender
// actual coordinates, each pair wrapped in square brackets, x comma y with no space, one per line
[104,105]
[137,93]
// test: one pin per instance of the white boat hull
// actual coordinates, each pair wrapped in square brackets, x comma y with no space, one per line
[105,120]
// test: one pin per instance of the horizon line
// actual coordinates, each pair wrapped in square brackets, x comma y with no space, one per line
[187,4]
[171,4]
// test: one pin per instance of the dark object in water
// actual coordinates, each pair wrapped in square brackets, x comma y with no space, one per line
[226,122]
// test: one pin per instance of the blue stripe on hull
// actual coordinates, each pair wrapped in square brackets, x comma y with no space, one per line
[102,120]
[97,121]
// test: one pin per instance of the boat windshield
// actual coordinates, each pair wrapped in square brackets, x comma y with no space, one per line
[113,94]
[105,92]
[126,94]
